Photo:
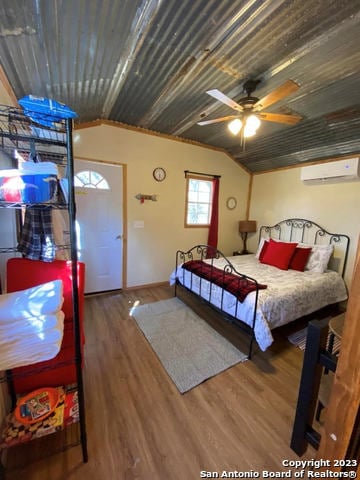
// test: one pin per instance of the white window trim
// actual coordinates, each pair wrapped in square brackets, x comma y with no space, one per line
[204,179]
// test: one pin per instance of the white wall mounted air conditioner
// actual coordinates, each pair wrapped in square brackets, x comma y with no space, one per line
[347,170]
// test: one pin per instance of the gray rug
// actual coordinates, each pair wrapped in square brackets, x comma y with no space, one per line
[190,350]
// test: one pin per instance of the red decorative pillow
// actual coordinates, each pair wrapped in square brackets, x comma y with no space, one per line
[278,254]
[299,259]
[263,250]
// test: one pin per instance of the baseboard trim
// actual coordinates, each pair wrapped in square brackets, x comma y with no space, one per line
[147,285]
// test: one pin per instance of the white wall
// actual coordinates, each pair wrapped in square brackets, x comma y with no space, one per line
[151,250]
[281,194]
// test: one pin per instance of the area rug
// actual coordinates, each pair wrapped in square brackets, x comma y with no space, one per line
[299,340]
[190,350]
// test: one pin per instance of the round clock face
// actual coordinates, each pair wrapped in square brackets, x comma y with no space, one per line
[231,203]
[159,174]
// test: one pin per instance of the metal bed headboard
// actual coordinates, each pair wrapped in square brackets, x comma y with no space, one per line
[306,231]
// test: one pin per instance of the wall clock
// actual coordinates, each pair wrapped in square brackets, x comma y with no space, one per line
[159,174]
[231,203]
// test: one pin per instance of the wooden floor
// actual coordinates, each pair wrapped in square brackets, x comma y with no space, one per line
[140,427]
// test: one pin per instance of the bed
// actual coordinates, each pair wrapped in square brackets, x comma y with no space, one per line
[297,270]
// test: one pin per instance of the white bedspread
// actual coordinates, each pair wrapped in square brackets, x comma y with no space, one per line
[289,294]
[31,325]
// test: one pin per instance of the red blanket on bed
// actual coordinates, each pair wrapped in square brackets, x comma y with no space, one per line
[230,282]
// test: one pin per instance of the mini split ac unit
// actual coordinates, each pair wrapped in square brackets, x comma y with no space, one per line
[346,170]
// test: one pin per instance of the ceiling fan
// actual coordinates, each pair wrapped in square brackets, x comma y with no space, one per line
[250,108]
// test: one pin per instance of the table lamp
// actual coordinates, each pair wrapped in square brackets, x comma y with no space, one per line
[245,227]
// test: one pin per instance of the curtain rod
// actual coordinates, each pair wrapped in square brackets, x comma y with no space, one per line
[204,174]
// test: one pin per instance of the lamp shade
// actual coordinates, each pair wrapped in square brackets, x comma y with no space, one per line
[247,226]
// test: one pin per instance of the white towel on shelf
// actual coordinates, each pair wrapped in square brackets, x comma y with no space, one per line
[24,346]
[43,299]
[19,356]
[31,326]
[32,345]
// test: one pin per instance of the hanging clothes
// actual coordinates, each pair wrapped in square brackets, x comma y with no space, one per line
[59,229]
[37,240]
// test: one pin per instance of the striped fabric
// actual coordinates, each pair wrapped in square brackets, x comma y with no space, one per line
[37,240]
[299,340]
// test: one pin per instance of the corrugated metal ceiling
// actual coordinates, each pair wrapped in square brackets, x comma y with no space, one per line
[148,63]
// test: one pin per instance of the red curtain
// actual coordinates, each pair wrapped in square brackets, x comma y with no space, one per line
[214,221]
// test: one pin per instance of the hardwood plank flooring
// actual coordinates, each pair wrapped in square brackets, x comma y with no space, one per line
[140,427]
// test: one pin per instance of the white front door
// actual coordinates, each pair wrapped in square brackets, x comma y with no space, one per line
[99,214]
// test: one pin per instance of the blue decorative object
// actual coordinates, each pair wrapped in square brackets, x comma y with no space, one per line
[45,111]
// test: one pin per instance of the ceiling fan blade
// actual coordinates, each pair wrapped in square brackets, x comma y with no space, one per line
[224,99]
[217,120]
[280,118]
[279,93]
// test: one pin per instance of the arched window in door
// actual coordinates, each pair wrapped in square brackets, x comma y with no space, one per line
[90,179]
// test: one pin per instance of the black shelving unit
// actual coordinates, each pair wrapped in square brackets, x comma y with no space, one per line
[19,135]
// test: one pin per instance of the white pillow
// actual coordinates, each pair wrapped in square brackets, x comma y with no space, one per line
[260,246]
[319,257]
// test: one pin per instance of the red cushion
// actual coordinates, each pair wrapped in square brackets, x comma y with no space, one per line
[60,370]
[299,259]
[278,254]
[263,250]
[22,273]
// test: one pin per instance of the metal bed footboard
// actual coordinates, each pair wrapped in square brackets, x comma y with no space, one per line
[208,253]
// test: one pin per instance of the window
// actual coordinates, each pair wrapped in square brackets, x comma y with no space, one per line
[198,202]
[90,179]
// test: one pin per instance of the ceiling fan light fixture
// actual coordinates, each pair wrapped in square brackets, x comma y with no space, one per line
[235,126]
[250,108]
[249,132]
[252,122]
[251,125]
